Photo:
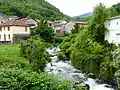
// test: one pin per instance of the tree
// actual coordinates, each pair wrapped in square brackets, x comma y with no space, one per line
[100,15]
[111,12]
[97,28]
[117,7]
[45,31]
[34,50]
[76,28]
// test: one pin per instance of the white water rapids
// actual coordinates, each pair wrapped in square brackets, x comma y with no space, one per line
[65,71]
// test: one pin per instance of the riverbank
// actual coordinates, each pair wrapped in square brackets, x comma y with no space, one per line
[65,71]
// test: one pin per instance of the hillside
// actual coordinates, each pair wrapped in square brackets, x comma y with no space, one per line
[39,9]
[84,15]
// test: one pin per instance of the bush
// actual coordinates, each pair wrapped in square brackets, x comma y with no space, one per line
[12,79]
[61,56]
[58,40]
[34,50]
[45,31]
[86,54]
[67,42]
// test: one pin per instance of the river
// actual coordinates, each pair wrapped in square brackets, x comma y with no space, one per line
[65,71]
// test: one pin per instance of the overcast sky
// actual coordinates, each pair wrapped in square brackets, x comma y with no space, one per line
[77,7]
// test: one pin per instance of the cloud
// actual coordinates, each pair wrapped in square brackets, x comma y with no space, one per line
[77,7]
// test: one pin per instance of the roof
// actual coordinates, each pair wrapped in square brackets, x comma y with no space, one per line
[80,22]
[20,22]
[7,18]
[116,17]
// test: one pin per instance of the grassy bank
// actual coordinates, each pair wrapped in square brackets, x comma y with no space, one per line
[10,57]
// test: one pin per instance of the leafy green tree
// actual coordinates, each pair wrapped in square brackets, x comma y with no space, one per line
[117,7]
[76,28]
[111,12]
[34,50]
[85,53]
[97,28]
[45,31]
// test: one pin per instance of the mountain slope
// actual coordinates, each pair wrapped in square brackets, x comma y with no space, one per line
[39,9]
[84,15]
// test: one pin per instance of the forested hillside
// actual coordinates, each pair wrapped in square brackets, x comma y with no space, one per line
[39,9]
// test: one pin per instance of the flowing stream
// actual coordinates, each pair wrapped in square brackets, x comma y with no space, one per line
[65,71]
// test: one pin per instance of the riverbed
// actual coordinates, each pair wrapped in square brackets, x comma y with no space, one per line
[65,71]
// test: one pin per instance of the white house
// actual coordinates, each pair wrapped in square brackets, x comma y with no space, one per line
[113,33]
[12,28]
[61,26]
[70,25]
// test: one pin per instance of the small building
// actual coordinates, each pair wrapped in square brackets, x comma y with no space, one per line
[62,26]
[12,28]
[113,32]
[4,18]
[70,25]
[59,27]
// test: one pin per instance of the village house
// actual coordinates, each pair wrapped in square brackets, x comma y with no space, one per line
[4,18]
[59,27]
[113,33]
[70,25]
[18,27]
[62,26]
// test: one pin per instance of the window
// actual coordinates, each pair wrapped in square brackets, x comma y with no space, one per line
[58,31]
[118,38]
[0,36]
[8,28]
[25,29]
[9,36]
[1,22]
[0,28]
[117,23]
[4,37]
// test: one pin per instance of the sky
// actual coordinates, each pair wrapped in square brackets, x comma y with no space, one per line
[78,7]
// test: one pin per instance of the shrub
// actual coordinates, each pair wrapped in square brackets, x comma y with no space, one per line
[61,56]
[12,79]
[86,54]
[34,50]
[58,40]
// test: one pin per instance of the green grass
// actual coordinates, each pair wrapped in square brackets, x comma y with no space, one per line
[10,57]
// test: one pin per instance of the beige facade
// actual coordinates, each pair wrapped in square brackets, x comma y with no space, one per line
[7,32]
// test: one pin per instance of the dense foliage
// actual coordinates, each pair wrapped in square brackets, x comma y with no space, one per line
[86,54]
[45,31]
[76,29]
[65,45]
[117,7]
[12,79]
[89,52]
[39,9]
[16,73]
[100,15]
[34,50]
